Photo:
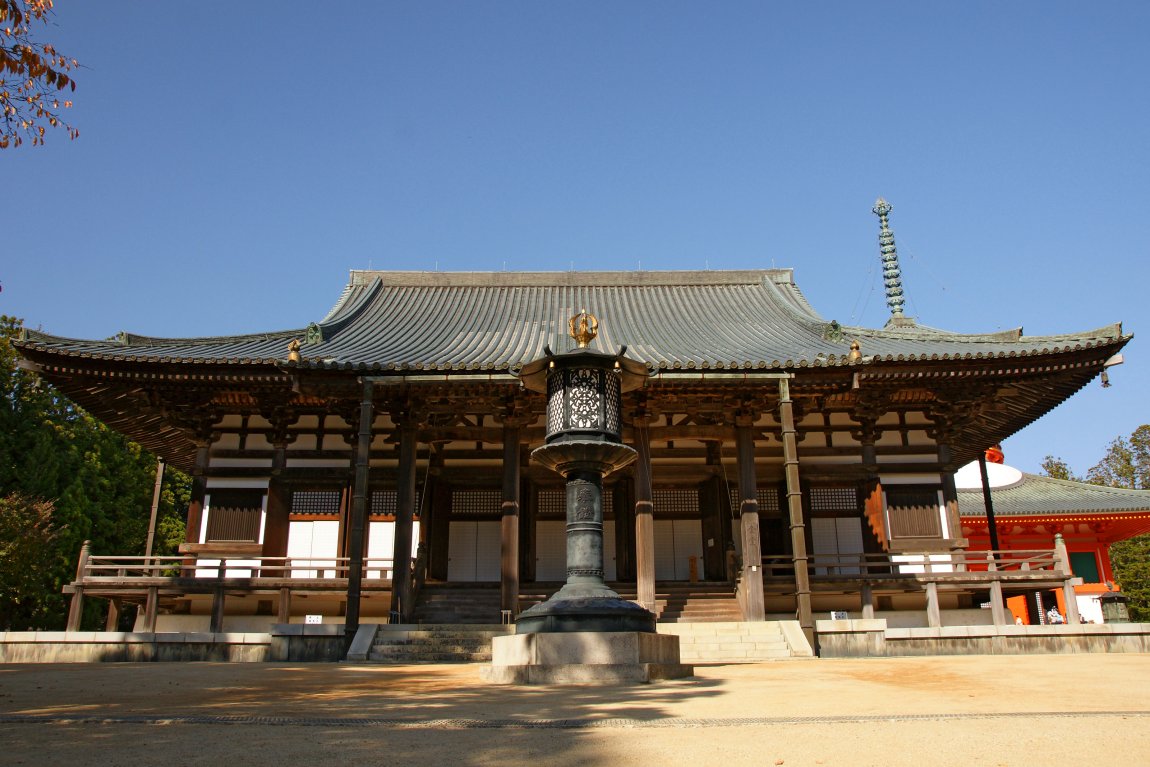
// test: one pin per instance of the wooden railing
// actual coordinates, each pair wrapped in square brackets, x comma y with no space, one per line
[868,566]
[289,568]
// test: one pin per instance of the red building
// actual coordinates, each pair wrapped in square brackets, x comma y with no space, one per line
[1029,510]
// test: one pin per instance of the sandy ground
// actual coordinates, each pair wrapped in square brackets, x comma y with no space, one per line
[970,711]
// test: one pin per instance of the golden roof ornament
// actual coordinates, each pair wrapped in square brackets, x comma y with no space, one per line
[293,351]
[856,351]
[584,328]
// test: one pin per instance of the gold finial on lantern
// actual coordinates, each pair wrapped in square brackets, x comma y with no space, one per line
[293,351]
[584,328]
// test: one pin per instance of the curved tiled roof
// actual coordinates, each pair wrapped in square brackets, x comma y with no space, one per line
[1035,495]
[717,320]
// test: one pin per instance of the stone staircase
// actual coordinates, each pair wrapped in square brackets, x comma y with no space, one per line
[456,623]
[443,643]
[697,603]
[735,642]
[458,603]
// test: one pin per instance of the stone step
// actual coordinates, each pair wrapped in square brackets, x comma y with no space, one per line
[448,643]
[476,657]
[729,642]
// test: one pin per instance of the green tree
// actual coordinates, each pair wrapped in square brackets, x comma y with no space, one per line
[1057,468]
[1126,463]
[97,482]
[28,536]
[1131,562]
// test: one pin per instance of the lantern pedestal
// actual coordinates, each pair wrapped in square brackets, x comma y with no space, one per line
[585,657]
[585,603]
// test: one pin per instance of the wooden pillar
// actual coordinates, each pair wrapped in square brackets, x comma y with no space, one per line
[997,613]
[509,526]
[624,506]
[644,519]
[217,620]
[152,607]
[112,622]
[198,491]
[439,529]
[401,608]
[867,599]
[157,490]
[1068,596]
[283,613]
[715,504]
[751,583]
[76,608]
[933,613]
[795,511]
[950,498]
[278,515]
[358,516]
[988,503]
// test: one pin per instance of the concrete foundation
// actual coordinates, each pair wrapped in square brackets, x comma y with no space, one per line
[293,643]
[584,657]
[873,638]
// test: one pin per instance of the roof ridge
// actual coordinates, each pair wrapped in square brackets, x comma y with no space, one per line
[123,338]
[621,278]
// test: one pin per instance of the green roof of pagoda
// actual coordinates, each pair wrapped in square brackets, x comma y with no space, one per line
[1034,495]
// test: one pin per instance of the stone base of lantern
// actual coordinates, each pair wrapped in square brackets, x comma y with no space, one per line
[579,607]
[585,657]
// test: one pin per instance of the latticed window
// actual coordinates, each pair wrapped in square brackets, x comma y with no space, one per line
[384,503]
[675,502]
[476,503]
[315,502]
[834,501]
[235,515]
[768,498]
[913,511]
[551,503]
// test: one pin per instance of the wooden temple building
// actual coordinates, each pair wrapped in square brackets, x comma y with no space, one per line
[349,467]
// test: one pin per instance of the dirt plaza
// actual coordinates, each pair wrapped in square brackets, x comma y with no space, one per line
[972,710]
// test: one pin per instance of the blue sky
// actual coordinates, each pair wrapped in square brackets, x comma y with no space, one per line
[236,160]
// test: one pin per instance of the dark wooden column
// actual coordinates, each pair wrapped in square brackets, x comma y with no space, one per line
[401,607]
[644,518]
[509,529]
[198,491]
[623,503]
[715,503]
[358,517]
[528,511]
[278,514]
[795,510]
[751,584]
[950,499]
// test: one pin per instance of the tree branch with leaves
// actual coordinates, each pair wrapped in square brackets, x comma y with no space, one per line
[34,76]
